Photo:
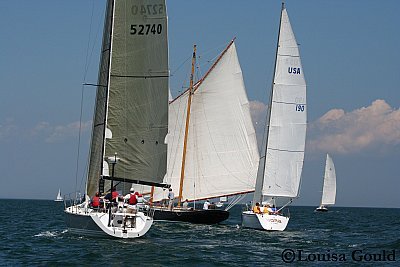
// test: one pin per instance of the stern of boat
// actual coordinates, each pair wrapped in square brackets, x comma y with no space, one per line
[120,222]
[268,222]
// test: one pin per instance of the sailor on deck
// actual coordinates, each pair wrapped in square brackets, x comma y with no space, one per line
[206,205]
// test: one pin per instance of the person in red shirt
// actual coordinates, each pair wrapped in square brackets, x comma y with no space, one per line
[112,197]
[96,201]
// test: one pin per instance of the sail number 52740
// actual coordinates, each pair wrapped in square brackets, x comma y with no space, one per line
[146,29]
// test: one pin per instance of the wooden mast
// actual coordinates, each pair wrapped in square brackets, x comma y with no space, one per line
[187,127]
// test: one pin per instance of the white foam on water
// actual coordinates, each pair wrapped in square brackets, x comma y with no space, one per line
[47,234]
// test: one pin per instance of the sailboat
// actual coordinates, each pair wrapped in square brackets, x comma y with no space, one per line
[59,198]
[130,119]
[282,156]
[212,147]
[329,187]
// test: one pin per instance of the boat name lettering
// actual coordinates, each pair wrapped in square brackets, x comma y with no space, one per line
[275,221]
[146,29]
[293,70]
[148,9]
[300,108]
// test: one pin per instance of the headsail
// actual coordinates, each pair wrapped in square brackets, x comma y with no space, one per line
[329,189]
[222,153]
[283,155]
[131,113]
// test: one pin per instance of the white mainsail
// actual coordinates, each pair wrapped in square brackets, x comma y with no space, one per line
[329,188]
[283,150]
[222,155]
[131,116]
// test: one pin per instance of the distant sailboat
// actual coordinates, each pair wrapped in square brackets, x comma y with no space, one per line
[212,147]
[329,187]
[282,156]
[131,118]
[59,198]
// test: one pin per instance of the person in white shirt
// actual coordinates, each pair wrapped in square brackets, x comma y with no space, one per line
[206,204]
[185,204]
[171,199]
[131,199]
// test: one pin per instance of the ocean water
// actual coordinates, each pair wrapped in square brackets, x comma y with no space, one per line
[33,233]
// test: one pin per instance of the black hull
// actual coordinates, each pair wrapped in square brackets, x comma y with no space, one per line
[191,216]
[82,224]
[321,210]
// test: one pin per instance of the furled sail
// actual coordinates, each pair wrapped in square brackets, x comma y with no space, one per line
[329,189]
[222,155]
[131,113]
[286,128]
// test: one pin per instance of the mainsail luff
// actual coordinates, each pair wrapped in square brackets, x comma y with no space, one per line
[329,187]
[134,121]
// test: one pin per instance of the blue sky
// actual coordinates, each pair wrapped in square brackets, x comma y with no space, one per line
[350,55]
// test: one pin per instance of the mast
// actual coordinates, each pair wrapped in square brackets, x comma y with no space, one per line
[187,127]
[103,149]
[261,167]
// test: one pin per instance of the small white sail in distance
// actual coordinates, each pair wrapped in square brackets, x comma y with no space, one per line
[329,187]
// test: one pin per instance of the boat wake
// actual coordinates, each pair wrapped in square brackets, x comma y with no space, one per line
[51,233]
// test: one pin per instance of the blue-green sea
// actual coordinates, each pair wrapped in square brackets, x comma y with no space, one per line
[33,233]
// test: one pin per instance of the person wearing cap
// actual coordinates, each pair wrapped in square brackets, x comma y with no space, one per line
[171,198]
[131,199]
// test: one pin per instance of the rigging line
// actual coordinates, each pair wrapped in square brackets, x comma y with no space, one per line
[79,140]
[89,57]
[180,66]
[81,108]
[88,43]
[236,200]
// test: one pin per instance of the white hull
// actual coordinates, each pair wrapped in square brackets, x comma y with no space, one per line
[268,222]
[123,224]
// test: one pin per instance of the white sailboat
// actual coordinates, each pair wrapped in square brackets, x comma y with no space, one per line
[282,156]
[329,187]
[130,120]
[59,198]
[212,147]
